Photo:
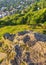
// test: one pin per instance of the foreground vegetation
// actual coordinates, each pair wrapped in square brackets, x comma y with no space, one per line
[32,18]
[27,47]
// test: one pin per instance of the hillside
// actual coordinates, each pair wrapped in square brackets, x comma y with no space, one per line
[31,15]
[16,6]
[23,33]
[31,20]
[23,48]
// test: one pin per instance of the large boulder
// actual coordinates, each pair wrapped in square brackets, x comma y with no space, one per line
[40,37]
[9,36]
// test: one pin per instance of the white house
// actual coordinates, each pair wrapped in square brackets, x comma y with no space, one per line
[0,16]
[3,8]
[3,14]
[22,2]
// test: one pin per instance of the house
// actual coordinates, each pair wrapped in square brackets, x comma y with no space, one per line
[3,8]
[19,7]
[0,16]
[13,11]
[7,13]
[3,14]
[38,8]
[21,2]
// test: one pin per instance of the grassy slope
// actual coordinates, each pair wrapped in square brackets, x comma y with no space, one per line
[13,29]
[27,18]
[18,28]
[32,16]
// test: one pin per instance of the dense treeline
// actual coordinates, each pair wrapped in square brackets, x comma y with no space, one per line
[35,14]
[31,17]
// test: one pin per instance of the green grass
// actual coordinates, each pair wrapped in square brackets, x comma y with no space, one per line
[13,29]
[18,28]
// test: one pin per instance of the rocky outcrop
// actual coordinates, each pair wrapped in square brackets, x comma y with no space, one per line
[40,37]
[9,36]
[30,48]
